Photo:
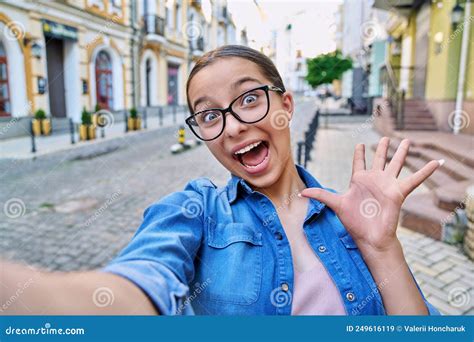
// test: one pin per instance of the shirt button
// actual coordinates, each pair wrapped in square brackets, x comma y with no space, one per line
[350,296]
[278,236]
[322,249]
[285,287]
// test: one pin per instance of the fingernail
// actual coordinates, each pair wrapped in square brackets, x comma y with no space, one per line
[441,162]
[299,195]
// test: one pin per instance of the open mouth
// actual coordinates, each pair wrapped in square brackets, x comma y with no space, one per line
[254,157]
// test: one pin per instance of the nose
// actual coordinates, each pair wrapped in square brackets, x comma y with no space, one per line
[233,127]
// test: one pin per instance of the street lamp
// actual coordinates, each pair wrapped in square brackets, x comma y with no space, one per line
[456,14]
[35,47]
[36,50]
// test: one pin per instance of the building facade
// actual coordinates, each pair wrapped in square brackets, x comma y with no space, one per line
[424,50]
[63,56]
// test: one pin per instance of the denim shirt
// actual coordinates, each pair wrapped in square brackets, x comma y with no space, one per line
[212,250]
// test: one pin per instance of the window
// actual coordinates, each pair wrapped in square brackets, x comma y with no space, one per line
[177,17]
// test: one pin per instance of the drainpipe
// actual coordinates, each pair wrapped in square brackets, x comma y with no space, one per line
[462,68]
[132,51]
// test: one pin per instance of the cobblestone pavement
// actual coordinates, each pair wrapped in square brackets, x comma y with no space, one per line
[77,209]
[444,273]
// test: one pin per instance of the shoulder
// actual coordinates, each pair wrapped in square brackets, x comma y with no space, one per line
[197,195]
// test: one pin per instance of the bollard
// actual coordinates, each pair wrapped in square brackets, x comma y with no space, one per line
[33,142]
[71,130]
[144,118]
[125,119]
[300,150]
[160,115]
[181,133]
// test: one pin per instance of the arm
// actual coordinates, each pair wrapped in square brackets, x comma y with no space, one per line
[26,291]
[150,275]
[369,210]
[399,291]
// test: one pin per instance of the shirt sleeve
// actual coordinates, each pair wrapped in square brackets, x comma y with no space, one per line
[160,257]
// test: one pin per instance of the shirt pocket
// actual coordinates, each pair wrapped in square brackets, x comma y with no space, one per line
[234,263]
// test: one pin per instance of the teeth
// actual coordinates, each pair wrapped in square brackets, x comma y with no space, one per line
[248,148]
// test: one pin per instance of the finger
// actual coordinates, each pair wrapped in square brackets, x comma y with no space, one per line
[358,163]
[411,183]
[396,164]
[331,199]
[381,154]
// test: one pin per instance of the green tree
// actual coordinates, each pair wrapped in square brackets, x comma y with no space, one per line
[326,68]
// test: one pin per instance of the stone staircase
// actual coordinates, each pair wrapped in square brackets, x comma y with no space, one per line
[417,116]
[425,212]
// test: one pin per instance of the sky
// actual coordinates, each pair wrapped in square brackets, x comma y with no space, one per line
[312,22]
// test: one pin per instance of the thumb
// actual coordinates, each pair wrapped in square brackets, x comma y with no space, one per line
[331,199]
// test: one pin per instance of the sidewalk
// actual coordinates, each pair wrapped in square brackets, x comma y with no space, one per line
[20,148]
[445,274]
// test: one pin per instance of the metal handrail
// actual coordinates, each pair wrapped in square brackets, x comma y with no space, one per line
[395,95]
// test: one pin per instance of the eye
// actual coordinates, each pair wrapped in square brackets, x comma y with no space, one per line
[249,99]
[210,116]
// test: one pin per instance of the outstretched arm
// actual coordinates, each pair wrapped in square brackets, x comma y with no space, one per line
[26,291]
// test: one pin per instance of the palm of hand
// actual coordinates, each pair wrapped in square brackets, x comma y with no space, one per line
[370,208]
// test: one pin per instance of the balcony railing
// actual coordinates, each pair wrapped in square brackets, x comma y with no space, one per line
[153,24]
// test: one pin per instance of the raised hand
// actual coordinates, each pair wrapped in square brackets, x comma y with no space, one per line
[370,208]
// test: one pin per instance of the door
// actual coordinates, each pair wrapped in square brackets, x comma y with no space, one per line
[55,65]
[148,81]
[173,84]
[5,109]
[103,77]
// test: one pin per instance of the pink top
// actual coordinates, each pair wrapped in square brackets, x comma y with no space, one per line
[314,290]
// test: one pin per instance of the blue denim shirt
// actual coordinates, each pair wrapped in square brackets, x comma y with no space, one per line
[222,251]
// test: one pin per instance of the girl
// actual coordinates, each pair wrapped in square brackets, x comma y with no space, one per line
[273,241]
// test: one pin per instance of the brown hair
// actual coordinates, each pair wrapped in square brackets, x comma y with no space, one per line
[264,63]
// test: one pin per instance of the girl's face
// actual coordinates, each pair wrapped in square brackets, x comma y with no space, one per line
[215,86]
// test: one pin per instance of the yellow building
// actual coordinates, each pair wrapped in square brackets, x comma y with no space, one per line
[62,56]
[425,52]
[65,56]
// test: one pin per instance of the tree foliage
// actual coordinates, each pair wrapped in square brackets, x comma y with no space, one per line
[326,68]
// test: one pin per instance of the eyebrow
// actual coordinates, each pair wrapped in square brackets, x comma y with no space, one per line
[235,85]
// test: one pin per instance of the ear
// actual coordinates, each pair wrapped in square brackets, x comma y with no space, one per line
[288,103]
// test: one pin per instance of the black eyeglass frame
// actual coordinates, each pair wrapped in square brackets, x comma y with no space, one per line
[224,111]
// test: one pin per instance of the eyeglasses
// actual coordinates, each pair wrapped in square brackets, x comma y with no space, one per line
[250,107]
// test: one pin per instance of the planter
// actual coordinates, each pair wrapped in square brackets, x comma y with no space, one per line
[94,119]
[86,132]
[134,124]
[46,126]
[138,123]
[91,132]
[36,126]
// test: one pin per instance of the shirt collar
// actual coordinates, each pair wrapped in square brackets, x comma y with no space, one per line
[237,184]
